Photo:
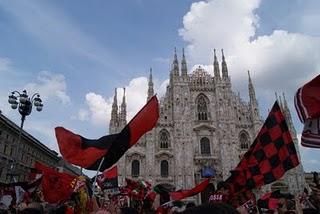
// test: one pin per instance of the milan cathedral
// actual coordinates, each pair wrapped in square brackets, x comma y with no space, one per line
[203,130]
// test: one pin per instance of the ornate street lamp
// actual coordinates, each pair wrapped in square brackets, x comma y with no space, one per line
[24,105]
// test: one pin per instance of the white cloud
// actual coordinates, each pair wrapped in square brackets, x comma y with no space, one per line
[281,61]
[83,114]
[99,108]
[217,24]
[50,85]
[136,96]
[162,88]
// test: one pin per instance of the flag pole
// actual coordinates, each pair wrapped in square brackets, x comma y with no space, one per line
[95,178]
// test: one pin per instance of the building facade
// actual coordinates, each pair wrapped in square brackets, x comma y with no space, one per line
[30,150]
[203,127]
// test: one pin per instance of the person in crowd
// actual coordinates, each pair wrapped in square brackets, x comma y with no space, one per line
[190,204]
[221,195]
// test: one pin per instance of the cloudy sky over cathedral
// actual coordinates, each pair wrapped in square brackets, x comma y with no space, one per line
[74,53]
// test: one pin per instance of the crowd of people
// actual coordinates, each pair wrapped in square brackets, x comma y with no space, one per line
[136,201]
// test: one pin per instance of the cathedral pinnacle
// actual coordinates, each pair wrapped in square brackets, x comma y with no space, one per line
[123,112]
[150,86]
[184,70]
[115,103]
[175,64]
[114,114]
[252,94]
[224,66]
[216,69]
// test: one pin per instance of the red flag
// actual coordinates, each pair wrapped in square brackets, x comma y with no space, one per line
[109,178]
[88,153]
[307,103]
[307,100]
[55,185]
[268,158]
[179,195]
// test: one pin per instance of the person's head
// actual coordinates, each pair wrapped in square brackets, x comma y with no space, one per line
[222,186]
[190,204]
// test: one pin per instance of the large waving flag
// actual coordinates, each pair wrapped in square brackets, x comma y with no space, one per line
[307,103]
[268,158]
[89,153]
[179,195]
[56,186]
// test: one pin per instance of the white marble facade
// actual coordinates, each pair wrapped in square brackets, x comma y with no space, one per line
[202,123]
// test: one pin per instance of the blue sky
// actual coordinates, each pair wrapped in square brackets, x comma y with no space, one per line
[74,53]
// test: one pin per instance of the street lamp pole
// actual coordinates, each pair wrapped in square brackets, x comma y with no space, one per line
[24,105]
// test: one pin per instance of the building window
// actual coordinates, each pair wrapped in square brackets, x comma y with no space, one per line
[205,146]
[5,149]
[135,168]
[164,168]
[164,139]
[244,140]
[202,108]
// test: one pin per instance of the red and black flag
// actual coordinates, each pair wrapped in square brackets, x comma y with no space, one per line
[245,199]
[307,103]
[270,200]
[272,154]
[179,195]
[109,178]
[88,153]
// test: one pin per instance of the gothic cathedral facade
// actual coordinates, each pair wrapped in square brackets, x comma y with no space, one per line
[204,127]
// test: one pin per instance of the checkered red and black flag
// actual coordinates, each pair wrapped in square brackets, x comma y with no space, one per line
[268,158]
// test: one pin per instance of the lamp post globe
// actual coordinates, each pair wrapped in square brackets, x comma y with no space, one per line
[24,103]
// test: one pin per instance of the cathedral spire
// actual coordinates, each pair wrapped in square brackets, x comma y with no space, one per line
[216,69]
[253,103]
[123,112]
[114,114]
[184,70]
[224,66]
[175,64]
[150,86]
[252,94]
[114,105]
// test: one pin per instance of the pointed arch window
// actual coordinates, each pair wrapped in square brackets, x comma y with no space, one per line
[205,146]
[135,168]
[202,108]
[164,139]
[244,141]
[164,168]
